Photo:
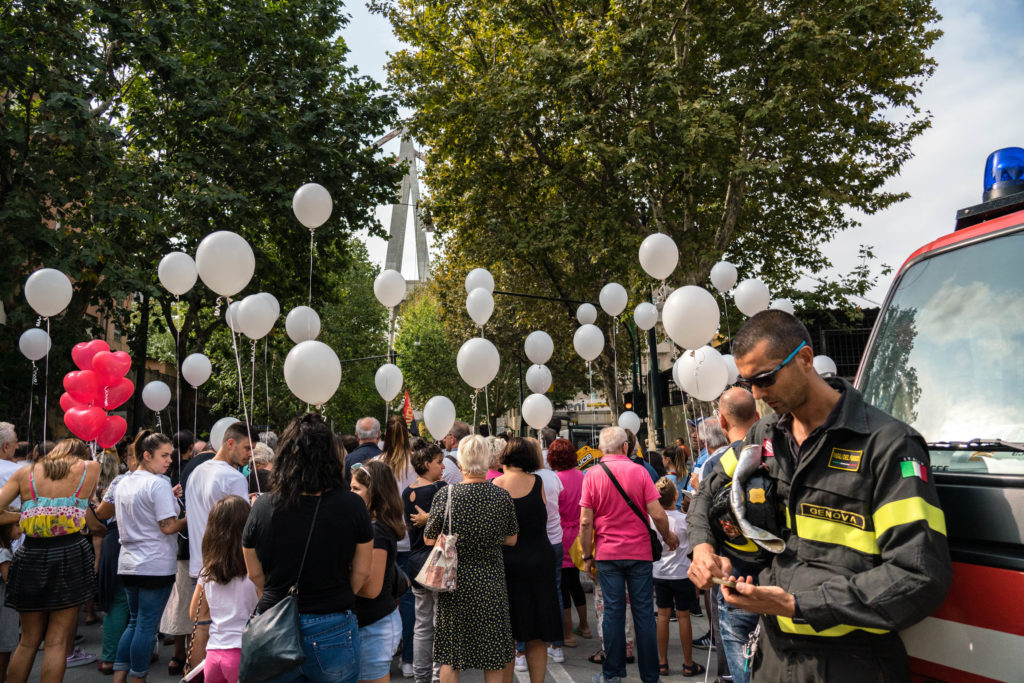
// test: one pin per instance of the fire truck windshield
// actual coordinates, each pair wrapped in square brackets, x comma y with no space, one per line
[948,355]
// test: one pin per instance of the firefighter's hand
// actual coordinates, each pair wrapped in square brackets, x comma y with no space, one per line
[759,599]
[706,564]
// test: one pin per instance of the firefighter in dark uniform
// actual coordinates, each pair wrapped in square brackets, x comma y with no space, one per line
[865,546]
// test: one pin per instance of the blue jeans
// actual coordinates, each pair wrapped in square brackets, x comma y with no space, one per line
[406,608]
[520,645]
[616,577]
[135,649]
[736,626]
[331,644]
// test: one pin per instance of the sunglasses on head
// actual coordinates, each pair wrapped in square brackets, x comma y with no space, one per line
[766,379]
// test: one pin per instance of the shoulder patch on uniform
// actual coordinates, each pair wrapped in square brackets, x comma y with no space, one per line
[845,460]
[909,467]
[833,515]
[767,449]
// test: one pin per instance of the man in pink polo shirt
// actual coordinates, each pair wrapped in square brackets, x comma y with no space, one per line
[613,534]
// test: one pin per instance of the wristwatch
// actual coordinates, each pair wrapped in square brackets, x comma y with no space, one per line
[588,559]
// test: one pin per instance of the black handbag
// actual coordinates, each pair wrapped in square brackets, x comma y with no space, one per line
[272,641]
[655,541]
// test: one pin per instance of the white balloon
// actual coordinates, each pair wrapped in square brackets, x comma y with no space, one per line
[825,366]
[701,373]
[439,416]
[690,316]
[177,272]
[537,411]
[302,324]
[645,315]
[312,205]
[659,255]
[274,303]
[225,262]
[156,395]
[389,288]
[478,362]
[231,316]
[586,314]
[730,365]
[48,291]
[783,305]
[196,369]
[630,421]
[388,381]
[312,371]
[539,347]
[479,277]
[538,378]
[613,299]
[256,316]
[217,431]
[34,343]
[751,296]
[480,305]
[723,276]
[588,341]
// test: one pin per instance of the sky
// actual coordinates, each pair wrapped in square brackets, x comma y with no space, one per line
[975,97]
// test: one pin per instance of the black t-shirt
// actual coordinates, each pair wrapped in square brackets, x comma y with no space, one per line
[278,534]
[370,610]
[418,550]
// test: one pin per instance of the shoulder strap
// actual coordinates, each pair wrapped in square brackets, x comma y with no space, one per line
[629,501]
[31,482]
[312,525]
[82,480]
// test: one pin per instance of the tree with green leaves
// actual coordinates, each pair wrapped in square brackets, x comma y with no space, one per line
[560,135]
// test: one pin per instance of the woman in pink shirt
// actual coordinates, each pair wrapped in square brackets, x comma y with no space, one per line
[562,459]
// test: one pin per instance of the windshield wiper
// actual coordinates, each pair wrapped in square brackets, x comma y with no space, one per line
[977,445]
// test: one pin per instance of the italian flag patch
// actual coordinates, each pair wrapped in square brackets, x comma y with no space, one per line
[912,468]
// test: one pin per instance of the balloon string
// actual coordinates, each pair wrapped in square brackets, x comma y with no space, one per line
[728,327]
[615,368]
[46,384]
[245,408]
[177,374]
[195,416]
[31,392]
[252,381]
[476,395]
[266,374]
[309,301]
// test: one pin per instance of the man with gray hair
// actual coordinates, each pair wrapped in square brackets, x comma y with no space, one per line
[452,473]
[270,438]
[615,492]
[8,445]
[368,433]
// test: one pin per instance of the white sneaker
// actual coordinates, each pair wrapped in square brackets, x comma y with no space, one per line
[407,670]
[556,654]
[521,662]
[78,657]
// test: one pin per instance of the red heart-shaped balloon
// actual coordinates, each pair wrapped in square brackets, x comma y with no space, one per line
[118,393]
[85,423]
[114,427]
[83,352]
[111,366]
[67,403]
[83,385]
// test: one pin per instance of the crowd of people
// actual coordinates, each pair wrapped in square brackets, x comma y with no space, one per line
[169,537]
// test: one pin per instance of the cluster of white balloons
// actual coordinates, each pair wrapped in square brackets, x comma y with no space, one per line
[478,359]
[537,409]
[48,291]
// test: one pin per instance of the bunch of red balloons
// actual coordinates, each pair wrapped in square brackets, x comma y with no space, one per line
[100,385]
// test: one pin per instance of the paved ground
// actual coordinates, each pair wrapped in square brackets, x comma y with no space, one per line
[576,668]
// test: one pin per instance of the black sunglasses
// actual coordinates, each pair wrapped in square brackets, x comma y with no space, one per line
[766,379]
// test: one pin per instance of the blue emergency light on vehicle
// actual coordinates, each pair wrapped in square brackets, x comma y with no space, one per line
[1004,173]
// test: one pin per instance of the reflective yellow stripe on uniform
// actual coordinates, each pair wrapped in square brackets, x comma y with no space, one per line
[908,510]
[788,626]
[729,462]
[789,522]
[826,531]
[748,547]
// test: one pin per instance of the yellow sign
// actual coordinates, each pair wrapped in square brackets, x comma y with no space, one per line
[833,515]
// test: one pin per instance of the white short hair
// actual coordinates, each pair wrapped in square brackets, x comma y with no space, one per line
[474,456]
[611,439]
[262,454]
[7,434]
[367,428]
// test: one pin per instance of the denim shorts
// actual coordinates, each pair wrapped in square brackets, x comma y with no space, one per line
[377,645]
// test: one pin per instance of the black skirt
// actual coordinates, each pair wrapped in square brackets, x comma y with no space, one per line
[50,574]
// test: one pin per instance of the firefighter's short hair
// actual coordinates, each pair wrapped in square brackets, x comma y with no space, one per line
[782,330]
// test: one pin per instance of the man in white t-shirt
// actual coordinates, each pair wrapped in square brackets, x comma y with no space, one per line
[215,479]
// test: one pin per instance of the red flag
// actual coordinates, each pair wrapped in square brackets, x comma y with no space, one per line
[407,409]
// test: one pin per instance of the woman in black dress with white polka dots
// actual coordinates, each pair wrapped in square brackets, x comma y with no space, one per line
[473,630]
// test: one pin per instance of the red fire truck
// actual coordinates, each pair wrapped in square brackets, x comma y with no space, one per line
[947,356]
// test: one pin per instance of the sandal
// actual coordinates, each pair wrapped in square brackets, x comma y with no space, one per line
[597,657]
[694,670]
[105,668]
[663,669]
[175,667]
[571,643]
[583,632]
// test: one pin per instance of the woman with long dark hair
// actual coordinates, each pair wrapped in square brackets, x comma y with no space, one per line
[397,455]
[308,498]
[52,573]
[380,625]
